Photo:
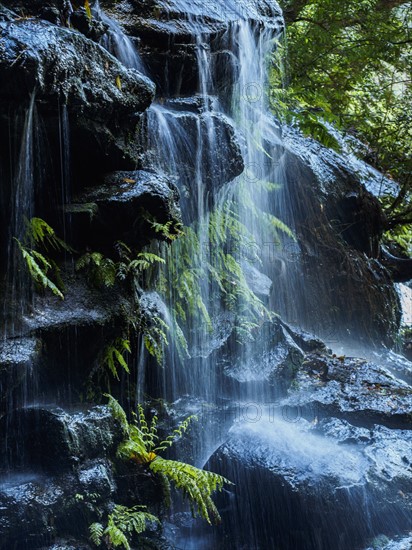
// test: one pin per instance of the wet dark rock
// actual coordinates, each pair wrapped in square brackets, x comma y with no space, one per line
[258,282]
[6,14]
[69,544]
[353,389]
[91,28]
[87,319]
[337,496]
[61,64]
[397,364]
[399,268]
[210,132]
[167,31]
[223,323]
[37,508]
[70,73]
[52,440]
[124,207]
[269,363]
[306,341]
[18,359]
[95,476]
[384,543]
[340,272]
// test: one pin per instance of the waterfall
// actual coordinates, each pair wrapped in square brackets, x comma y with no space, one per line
[21,209]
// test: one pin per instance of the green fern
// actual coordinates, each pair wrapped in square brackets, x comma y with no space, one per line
[96,531]
[38,267]
[113,356]
[39,233]
[143,261]
[155,338]
[170,230]
[100,271]
[118,413]
[121,524]
[141,445]
[195,484]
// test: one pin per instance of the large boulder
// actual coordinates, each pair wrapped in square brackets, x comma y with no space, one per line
[49,439]
[35,508]
[319,492]
[264,366]
[341,289]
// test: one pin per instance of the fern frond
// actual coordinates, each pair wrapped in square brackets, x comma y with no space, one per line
[101,271]
[195,484]
[123,521]
[96,531]
[38,267]
[113,356]
[177,433]
[118,413]
[145,260]
[39,232]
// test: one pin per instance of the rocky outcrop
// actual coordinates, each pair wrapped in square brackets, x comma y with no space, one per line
[18,359]
[177,128]
[353,389]
[168,31]
[125,207]
[345,289]
[264,367]
[61,476]
[57,63]
[51,439]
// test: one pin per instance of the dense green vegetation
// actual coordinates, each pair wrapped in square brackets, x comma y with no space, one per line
[350,63]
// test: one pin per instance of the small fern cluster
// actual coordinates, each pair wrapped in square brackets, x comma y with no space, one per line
[121,524]
[142,445]
[113,356]
[103,272]
[155,337]
[42,269]
[170,231]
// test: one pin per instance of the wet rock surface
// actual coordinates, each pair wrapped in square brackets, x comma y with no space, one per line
[38,507]
[59,63]
[51,439]
[355,389]
[383,543]
[272,368]
[258,282]
[124,208]
[186,124]
[167,32]
[18,359]
[339,225]
[365,483]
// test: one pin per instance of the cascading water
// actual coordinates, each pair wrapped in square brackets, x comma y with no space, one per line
[116,42]
[213,301]
[21,208]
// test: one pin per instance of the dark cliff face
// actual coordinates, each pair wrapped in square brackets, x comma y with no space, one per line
[89,125]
